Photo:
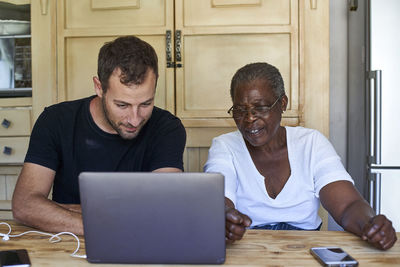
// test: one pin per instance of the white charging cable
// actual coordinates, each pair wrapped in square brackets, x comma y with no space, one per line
[54,238]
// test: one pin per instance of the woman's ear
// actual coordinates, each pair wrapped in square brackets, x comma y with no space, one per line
[284,102]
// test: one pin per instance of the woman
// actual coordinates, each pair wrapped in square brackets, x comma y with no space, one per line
[275,176]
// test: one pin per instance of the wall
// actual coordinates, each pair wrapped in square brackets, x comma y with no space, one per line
[338,82]
[356,149]
[347,93]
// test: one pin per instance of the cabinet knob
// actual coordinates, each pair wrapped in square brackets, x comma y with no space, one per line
[6,123]
[7,150]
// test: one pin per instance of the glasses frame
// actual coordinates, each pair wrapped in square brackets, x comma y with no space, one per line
[268,109]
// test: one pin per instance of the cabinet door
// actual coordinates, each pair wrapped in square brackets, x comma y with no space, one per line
[220,36]
[216,38]
[84,26]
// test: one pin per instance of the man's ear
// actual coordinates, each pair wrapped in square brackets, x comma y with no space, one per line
[97,87]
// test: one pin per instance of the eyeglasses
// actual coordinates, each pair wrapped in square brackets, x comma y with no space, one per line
[238,112]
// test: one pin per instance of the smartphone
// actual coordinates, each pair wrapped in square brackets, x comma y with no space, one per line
[333,256]
[18,257]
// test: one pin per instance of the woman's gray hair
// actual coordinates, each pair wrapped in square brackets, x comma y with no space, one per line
[259,71]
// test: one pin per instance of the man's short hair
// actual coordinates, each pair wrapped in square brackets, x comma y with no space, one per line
[133,56]
[259,71]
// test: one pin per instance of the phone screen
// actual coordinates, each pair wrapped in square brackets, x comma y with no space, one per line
[17,257]
[330,256]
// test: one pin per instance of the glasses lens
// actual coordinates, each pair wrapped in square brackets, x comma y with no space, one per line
[257,111]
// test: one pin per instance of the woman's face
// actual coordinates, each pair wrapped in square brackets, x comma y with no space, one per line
[258,125]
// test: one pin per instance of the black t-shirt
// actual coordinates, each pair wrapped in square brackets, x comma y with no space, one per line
[66,139]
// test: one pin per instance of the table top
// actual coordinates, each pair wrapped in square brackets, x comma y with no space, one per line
[257,248]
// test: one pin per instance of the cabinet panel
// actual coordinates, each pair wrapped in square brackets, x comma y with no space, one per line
[15,122]
[3,190]
[17,149]
[219,37]
[81,65]
[84,26]
[194,158]
[211,60]
[236,12]
[11,181]
[99,14]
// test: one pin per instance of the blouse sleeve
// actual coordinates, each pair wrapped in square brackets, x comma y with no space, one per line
[220,160]
[327,165]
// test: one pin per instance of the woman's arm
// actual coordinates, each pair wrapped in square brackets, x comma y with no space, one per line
[353,213]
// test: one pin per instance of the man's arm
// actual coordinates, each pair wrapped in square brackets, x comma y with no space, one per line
[353,213]
[31,206]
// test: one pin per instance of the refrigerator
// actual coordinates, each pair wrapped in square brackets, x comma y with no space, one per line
[373,155]
[382,107]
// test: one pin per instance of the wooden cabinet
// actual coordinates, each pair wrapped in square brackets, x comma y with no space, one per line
[207,42]
[15,128]
[219,37]
[214,38]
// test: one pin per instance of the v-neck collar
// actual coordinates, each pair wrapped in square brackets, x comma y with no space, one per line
[260,178]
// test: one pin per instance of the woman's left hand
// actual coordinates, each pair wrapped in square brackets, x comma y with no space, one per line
[379,232]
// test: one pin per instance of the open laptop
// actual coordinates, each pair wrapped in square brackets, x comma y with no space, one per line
[153,217]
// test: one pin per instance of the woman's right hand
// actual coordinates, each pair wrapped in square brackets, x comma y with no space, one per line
[235,224]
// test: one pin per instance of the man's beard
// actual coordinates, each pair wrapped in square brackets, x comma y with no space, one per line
[116,127]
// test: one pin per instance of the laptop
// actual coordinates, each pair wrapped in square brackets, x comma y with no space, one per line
[157,218]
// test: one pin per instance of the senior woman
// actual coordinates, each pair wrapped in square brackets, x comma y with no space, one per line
[275,176]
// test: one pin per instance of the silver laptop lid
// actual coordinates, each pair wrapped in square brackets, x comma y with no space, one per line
[153,217]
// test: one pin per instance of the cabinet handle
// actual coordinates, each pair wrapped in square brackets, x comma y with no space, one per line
[353,5]
[313,4]
[43,6]
[7,150]
[168,49]
[6,123]
[178,43]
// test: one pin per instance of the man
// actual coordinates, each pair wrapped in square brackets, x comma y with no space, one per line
[118,129]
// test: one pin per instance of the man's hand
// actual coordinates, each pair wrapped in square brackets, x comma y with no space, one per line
[235,224]
[379,232]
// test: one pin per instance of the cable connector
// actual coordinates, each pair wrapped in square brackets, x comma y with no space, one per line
[54,238]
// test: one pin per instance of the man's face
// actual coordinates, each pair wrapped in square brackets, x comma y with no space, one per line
[127,108]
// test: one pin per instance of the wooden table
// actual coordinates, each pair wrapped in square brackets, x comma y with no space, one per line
[258,248]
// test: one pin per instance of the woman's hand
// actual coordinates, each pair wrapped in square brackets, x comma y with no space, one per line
[355,215]
[379,232]
[235,222]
